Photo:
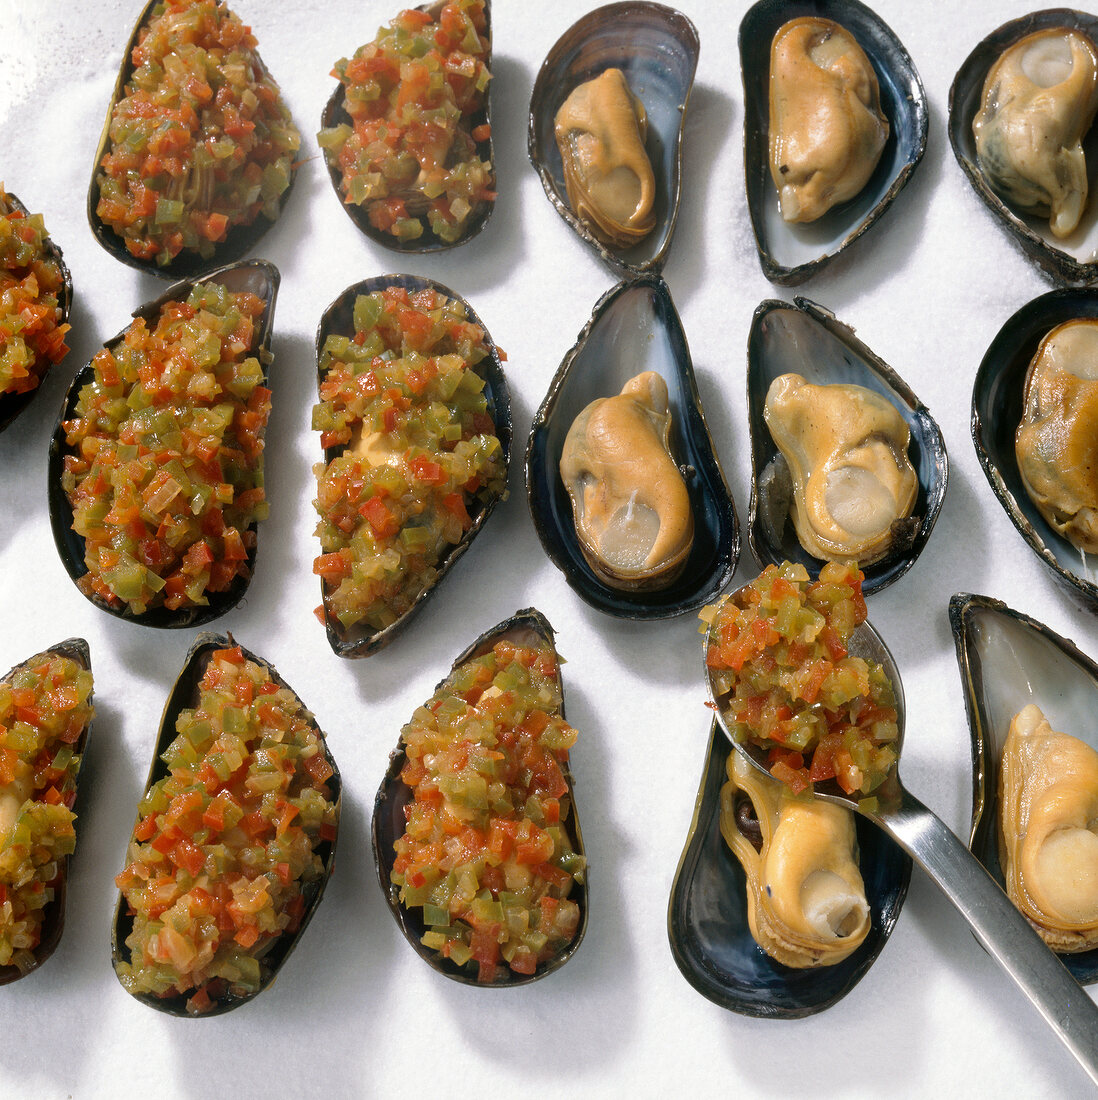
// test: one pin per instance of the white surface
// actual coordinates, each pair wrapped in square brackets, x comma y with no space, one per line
[927,289]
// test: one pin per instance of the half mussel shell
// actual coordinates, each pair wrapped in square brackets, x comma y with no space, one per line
[525,627]
[335,114]
[1071,260]
[185,694]
[788,253]
[634,327]
[12,404]
[238,241]
[997,406]
[707,922]
[53,920]
[338,319]
[1006,661]
[656,49]
[257,277]
[809,340]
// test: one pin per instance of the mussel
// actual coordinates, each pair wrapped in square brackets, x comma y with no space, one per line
[13,402]
[653,50]
[1024,158]
[180,161]
[361,638]
[633,328]
[998,411]
[256,277]
[1009,661]
[708,915]
[790,252]
[847,444]
[484,687]
[399,210]
[241,898]
[24,810]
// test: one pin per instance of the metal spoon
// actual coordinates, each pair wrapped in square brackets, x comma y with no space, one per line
[1002,930]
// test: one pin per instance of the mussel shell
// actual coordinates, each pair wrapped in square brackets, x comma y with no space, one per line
[239,240]
[634,327]
[12,404]
[780,334]
[185,694]
[657,49]
[256,276]
[335,114]
[389,824]
[789,254]
[1067,263]
[997,405]
[338,319]
[1006,661]
[53,917]
[707,915]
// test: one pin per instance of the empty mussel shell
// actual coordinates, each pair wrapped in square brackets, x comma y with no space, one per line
[185,694]
[707,915]
[12,404]
[53,917]
[360,640]
[997,405]
[335,114]
[790,253]
[806,339]
[634,327]
[1008,660]
[527,627]
[257,277]
[238,241]
[656,48]
[1075,258]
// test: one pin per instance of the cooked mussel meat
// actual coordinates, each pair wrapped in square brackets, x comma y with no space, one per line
[631,507]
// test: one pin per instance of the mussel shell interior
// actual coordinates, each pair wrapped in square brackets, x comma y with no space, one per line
[789,254]
[53,918]
[657,49]
[184,694]
[707,915]
[1008,660]
[338,319]
[1071,260]
[255,276]
[634,327]
[239,240]
[809,340]
[12,404]
[335,114]
[527,626]
[997,405]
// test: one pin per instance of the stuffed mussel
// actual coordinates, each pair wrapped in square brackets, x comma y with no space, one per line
[476,836]
[606,129]
[415,421]
[156,463]
[199,152]
[45,717]
[234,840]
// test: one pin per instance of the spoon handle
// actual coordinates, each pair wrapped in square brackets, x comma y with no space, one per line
[1005,933]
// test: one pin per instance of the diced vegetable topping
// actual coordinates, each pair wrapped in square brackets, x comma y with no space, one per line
[409,155]
[778,656]
[226,844]
[201,141]
[45,707]
[420,451]
[487,851]
[166,471]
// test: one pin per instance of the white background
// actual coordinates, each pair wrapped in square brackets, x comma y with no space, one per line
[354,1011]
